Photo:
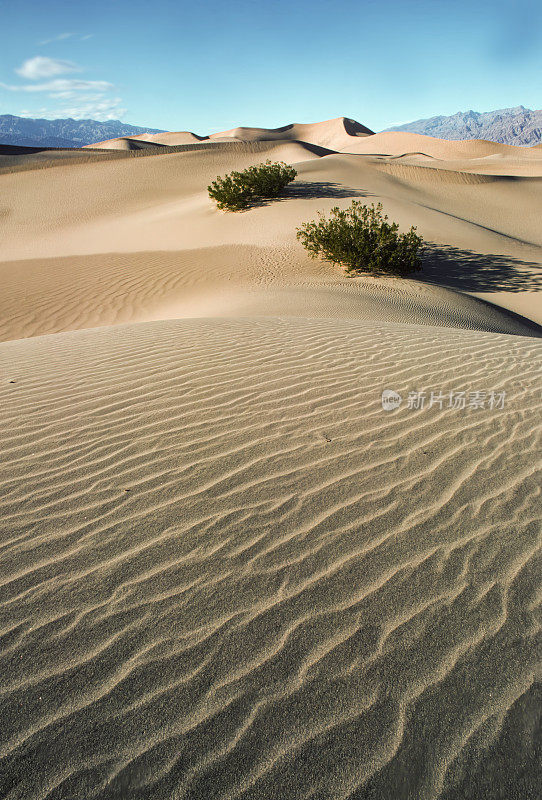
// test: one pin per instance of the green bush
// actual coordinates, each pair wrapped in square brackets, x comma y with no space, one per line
[239,189]
[230,192]
[361,239]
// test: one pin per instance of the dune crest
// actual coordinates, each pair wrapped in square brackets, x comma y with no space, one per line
[400,142]
[334,134]
[150,139]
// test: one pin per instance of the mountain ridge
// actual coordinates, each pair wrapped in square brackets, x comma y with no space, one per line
[516,126]
[29,132]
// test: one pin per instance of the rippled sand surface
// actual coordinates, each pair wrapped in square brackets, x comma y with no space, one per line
[228,573]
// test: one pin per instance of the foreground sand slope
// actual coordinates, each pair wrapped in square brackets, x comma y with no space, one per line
[228,573]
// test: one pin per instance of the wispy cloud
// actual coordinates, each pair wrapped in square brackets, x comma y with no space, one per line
[107,108]
[60,85]
[63,36]
[72,94]
[59,38]
[77,98]
[99,108]
[42,67]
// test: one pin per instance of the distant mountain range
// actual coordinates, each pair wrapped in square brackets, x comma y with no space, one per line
[518,126]
[63,132]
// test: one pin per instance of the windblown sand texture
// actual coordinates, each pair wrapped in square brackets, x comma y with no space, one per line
[225,571]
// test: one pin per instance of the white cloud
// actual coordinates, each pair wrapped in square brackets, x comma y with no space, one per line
[63,36]
[60,85]
[59,38]
[101,109]
[35,113]
[42,67]
[110,108]
[77,98]
[73,94]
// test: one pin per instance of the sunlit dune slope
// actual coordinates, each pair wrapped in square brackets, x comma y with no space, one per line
[136,239]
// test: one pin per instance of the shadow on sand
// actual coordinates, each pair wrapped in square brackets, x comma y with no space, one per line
[475,272]
[304,190]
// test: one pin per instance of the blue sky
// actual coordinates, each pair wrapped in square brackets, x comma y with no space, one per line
[207,66]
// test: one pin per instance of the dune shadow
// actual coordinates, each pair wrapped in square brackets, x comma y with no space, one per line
[477,272]
[304,190]
[316,189]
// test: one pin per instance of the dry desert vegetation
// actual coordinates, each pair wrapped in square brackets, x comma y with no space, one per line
[226,571]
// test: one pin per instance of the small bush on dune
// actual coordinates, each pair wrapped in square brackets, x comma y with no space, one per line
[230,192]
[268,180]
[361,239]
[239,189]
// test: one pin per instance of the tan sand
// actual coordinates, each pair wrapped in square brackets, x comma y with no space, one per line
[483,230]
[228,573]
[225,571]
[126,143]
[400,143]
[171,138]
[333,134]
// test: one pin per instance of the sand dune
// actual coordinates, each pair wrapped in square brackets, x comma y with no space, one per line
[169,139]
[225,281]
[347,135]
[398,143]
[16,159]
[216,582]
[160,204]
[334,134]
[126,143]
[225,571]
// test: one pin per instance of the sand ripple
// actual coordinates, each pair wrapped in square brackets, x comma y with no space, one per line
[226,573]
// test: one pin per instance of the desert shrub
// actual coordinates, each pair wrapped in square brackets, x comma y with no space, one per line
[230,192]
[239,189]
[361,239]
[268,180]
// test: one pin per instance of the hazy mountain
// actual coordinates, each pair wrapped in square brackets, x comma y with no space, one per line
[63,132]
[519,126]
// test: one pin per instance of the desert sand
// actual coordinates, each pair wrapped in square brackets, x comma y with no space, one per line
[225,571]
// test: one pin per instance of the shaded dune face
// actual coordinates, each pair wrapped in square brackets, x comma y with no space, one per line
[220,586]
[131,144]
[148,140]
